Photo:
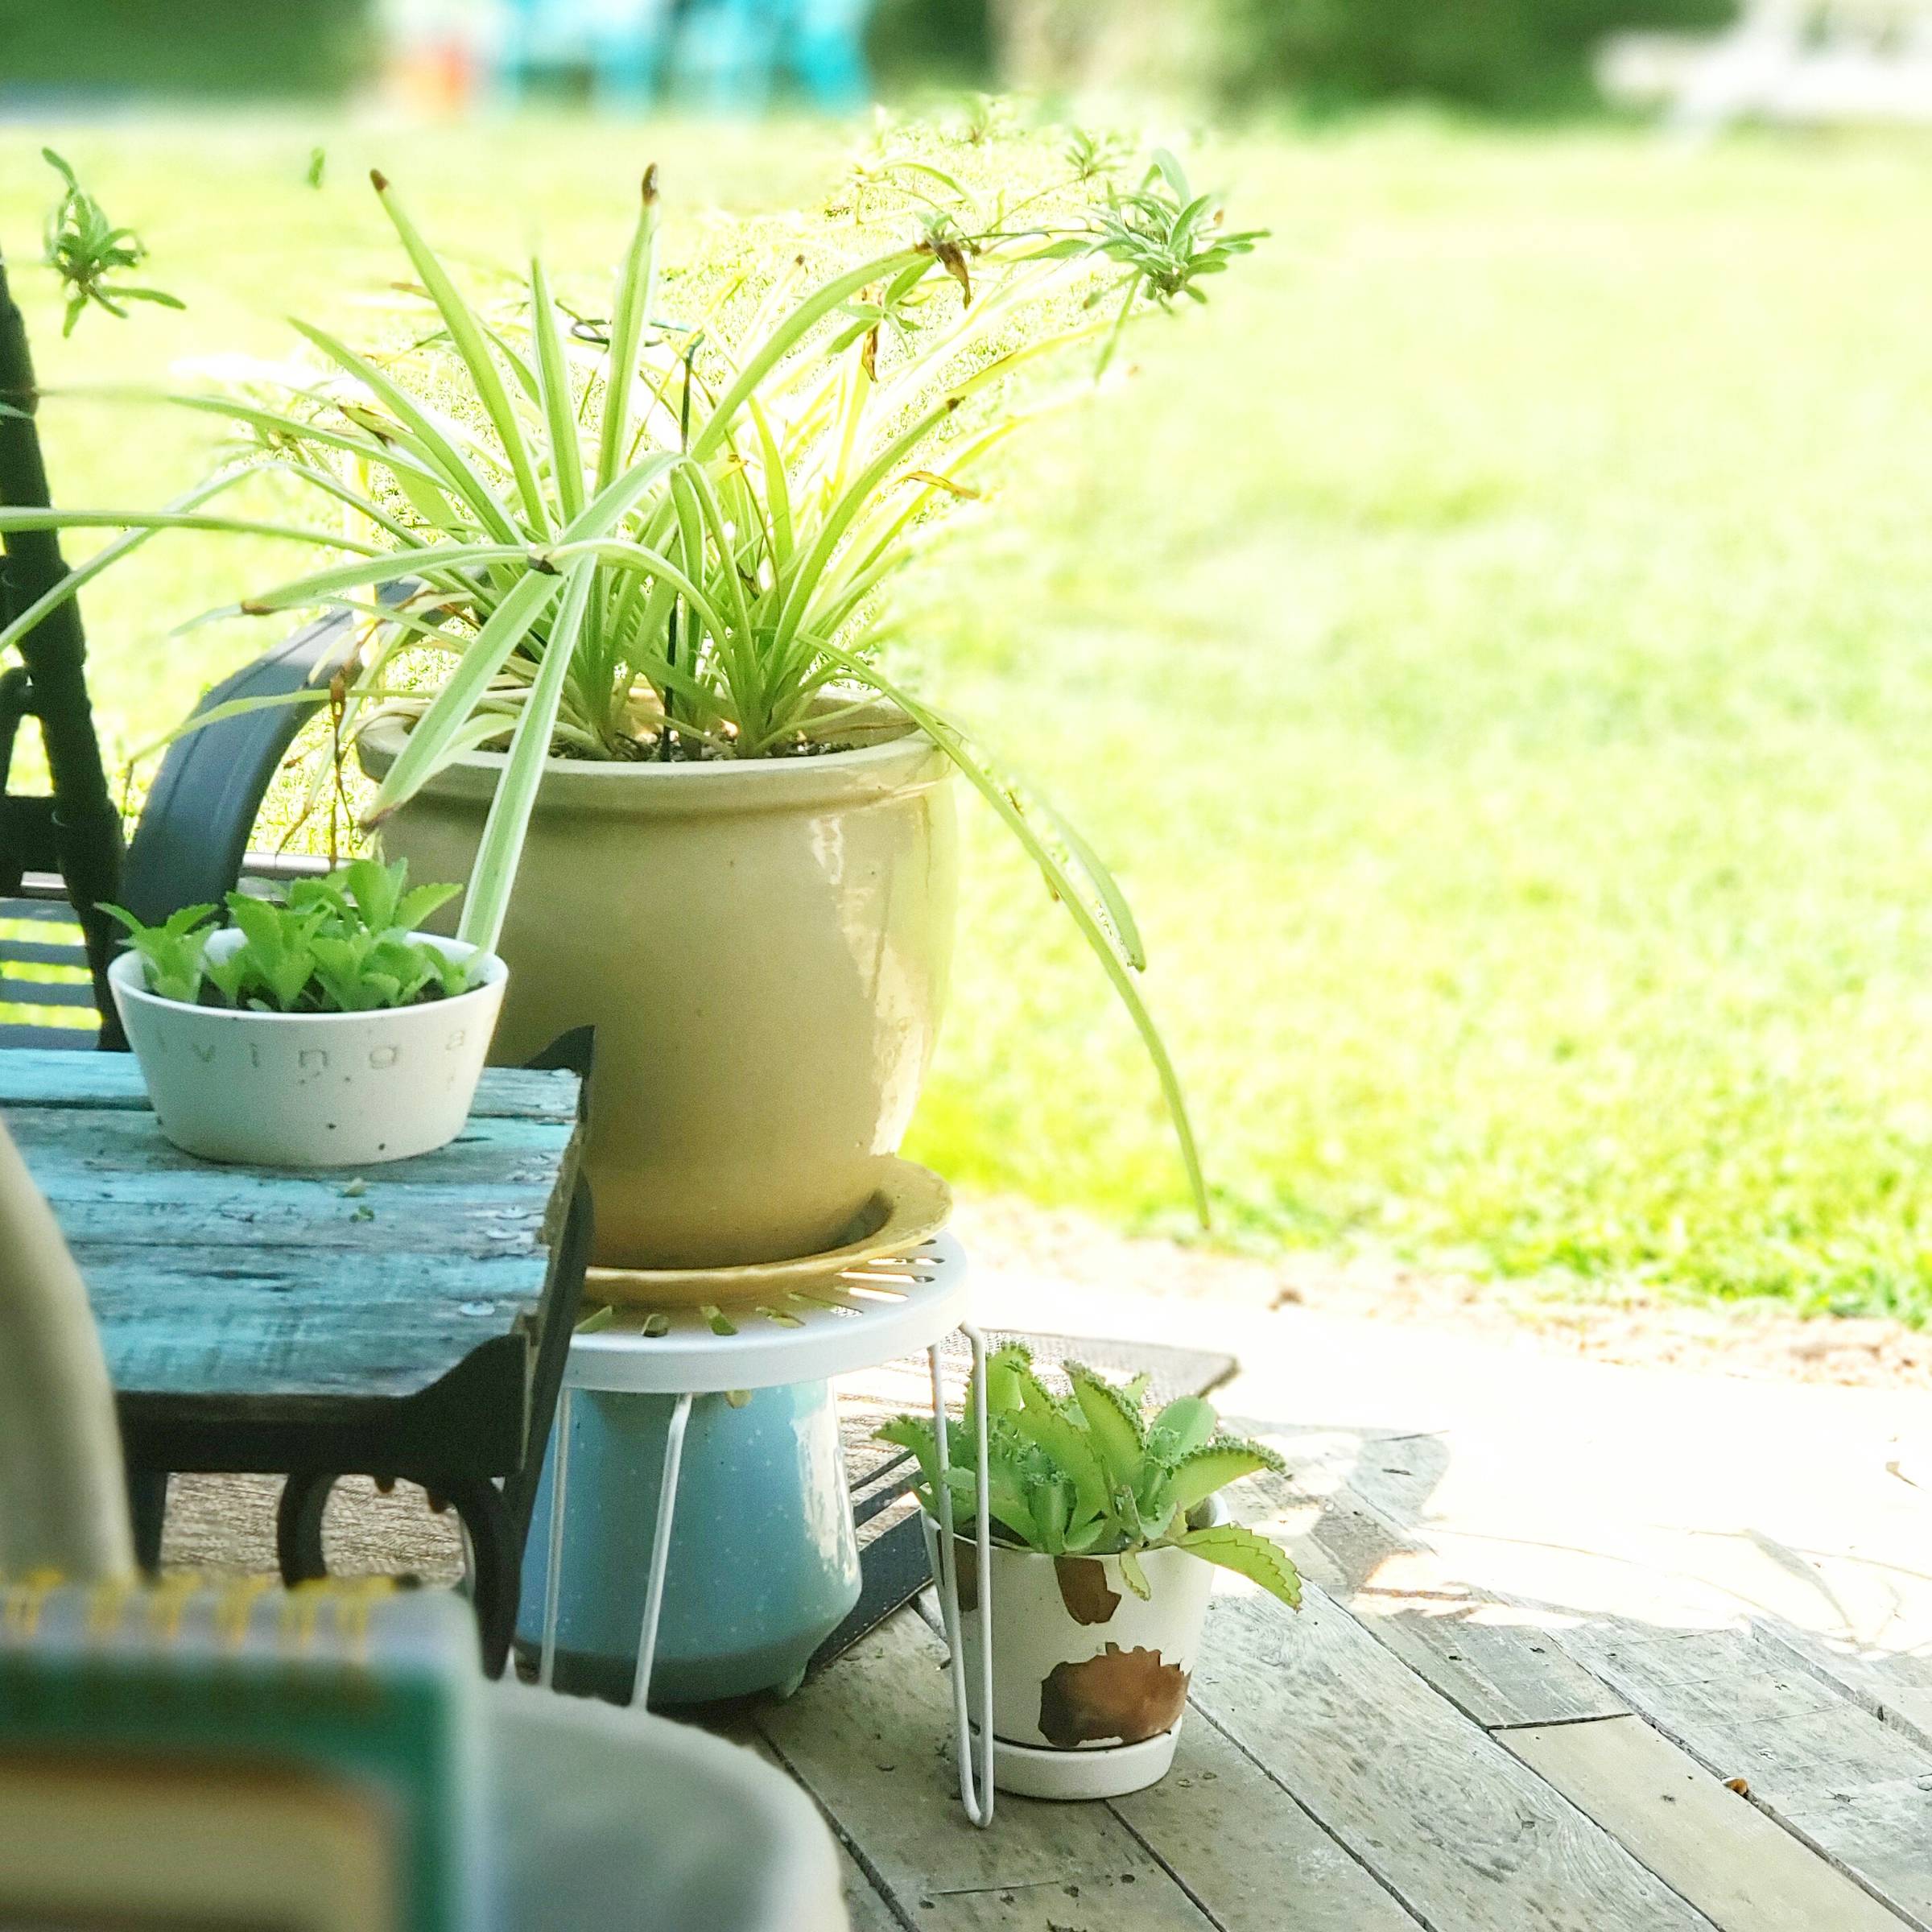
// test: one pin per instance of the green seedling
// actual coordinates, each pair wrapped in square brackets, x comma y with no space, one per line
[339,944]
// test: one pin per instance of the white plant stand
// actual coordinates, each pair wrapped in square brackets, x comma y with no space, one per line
[875,1312]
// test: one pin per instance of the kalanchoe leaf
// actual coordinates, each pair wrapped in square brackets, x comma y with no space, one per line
[1003,1369]
[1114,1423]
[1248,1553]
[1135,1576]
[1182,1425]
[1197,1475]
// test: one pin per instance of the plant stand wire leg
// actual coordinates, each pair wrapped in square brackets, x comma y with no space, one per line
[975,1782]
[553,1567]
[660,1550]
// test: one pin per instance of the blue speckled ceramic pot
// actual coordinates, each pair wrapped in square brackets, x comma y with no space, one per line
[764,1559]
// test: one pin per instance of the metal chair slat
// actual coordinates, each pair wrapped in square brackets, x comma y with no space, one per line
[46,992]
[40,952]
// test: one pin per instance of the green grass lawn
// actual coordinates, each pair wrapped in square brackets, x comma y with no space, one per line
[1492,643]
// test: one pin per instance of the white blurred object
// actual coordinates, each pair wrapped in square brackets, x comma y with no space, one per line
[1796,62]
[63,1502]
[608,1820]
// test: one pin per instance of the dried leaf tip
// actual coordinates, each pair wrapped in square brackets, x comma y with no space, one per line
[650,184]
[379,180]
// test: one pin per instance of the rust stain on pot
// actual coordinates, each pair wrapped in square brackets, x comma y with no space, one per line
[1128,1694]
[966,1560]
[1082,1581]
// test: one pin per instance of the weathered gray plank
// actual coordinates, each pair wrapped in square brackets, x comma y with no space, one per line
[1895,1687]
[871,1739]
[1493,1663]
[1727,1858]
[1468,1838]
[103,1153]
[1252,1856]
[1858,1791]
[257,1214]
[113,1081]
[292,1324]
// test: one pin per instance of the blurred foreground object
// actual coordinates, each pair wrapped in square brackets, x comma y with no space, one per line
[229,1753]
[63,1506]
[1799,62]
[326,1760]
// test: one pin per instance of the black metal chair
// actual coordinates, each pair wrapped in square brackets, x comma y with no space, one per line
[191,845]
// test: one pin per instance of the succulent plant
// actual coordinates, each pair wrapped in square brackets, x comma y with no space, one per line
[1096,1471]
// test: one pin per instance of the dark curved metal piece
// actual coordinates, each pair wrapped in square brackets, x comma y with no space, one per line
[81,817]
[194,830]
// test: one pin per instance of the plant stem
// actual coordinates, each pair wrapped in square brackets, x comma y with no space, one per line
[87,824]
[667,742]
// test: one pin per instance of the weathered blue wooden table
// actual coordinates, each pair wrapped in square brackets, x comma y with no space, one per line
[411,1321]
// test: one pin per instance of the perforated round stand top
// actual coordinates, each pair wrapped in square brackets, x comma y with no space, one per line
[873,1312]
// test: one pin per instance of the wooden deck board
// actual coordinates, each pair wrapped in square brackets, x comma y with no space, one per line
[1819,1764]
[869,1738]
[1463,1833]
[1251,1856]
[1485,1657]
[1742,1870]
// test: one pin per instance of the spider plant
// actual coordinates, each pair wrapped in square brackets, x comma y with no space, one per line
[671,537]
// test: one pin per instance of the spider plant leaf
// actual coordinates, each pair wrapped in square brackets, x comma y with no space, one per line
[437,561]
[467,334]
[1106,890]
[80,575]
[637,284]
[279,429]
[231,707]
[494,871]
[447,463]
[553,389]
[787,336]
[427,747]
[857,495]
[13,518]
[953,742]
[331,485]
[778,492]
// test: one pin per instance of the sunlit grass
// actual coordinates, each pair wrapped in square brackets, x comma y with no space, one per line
[1490,644]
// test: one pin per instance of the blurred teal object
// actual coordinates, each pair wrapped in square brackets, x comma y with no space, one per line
[730,54]
[764,1561]
[621,41]
[724,55]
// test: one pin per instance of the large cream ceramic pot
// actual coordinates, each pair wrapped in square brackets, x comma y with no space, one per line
[763,948]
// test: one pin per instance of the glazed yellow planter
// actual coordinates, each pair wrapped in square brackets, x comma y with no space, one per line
[763,948]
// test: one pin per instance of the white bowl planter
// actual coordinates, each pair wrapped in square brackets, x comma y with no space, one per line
[1089,1681]
[310,1089]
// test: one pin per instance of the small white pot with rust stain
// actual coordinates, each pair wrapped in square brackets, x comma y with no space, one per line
[310,1089]
[1089,1679]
